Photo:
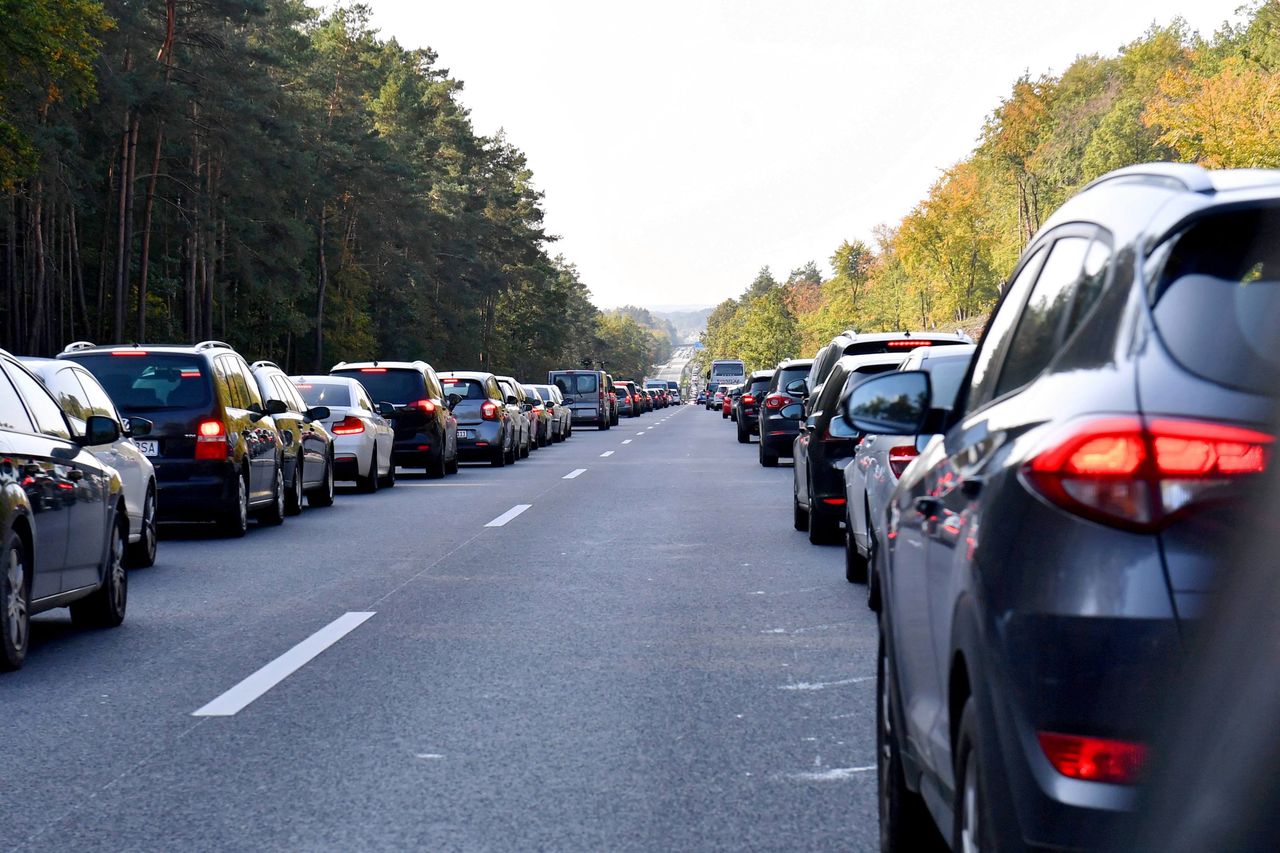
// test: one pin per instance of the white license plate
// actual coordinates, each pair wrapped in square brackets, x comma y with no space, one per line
[466,433]
[148,448]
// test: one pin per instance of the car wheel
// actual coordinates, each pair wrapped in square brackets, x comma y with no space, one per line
[142,554]
[499,458]
[524,450]
[767,459]
[972,831]
[799,515]
[274,514]
[389,480]
[323,496]
[744,436]
[15,603]
[905,822]
[855,565]
[822,530]
[511,454]
[235,522]
[105,607]
[451,467]
[435,466]
[293,498]
[368,484]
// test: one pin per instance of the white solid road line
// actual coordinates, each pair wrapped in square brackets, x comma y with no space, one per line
[238,697]
[606,454]
[574,474]
[508,515]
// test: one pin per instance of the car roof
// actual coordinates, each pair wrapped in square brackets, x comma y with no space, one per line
[390,365]
[853,362]
[794,362]
[324,377]
[86,347]
[924,355]
[464,374]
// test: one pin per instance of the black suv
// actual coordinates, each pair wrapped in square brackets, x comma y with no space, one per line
[215,447]
[747,406]
[308,447]
[426,430]
[780,412]
[1049,553]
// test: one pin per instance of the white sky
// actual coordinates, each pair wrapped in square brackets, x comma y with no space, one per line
[683,145]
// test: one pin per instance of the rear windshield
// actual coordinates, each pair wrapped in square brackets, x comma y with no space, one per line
[577,383]
[153,381]
[1216,301]
[787,375]
[533,395]
[389,384]
[945,375]
[758,385]
[467,389]
[325,393]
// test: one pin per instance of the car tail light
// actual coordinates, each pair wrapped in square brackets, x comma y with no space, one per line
[189,374]
[427,406]
[909,344]
[776,401]
[747,399]
[350,425]
[128,352]
[834,501]
[1094,759]
[373,370]
[1122,472]
[489,410]
[211,441]
[900,458]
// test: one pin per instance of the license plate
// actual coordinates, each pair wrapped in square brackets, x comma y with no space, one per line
[466,433]
[148,448]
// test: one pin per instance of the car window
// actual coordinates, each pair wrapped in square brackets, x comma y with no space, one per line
[70,395]
[325,393]
[400,386]
[433,386]
[467,389]
[251,391]
[945,376]
[13,415]
[985,366]
[99,402]
[1035,342]
[140,381]
[236,384]
[43,408]
[1097,264]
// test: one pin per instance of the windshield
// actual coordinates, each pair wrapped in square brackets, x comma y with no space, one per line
[317,393]
[389,384]
[467,389]
[577,383]
[152,382]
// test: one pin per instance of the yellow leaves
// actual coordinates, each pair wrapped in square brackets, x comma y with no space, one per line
[1228,120]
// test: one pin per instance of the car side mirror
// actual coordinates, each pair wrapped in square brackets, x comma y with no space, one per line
[792,411]
[890,404]
[318,413]
[99,429]
[798,387]
[275,407]
[527,407]
[387,410]
[139,427]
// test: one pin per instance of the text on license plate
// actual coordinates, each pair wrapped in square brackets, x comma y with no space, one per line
[466,433]
[148,448]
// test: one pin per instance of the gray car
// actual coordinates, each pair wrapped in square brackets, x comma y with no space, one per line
[586,392]
[487,430]
[518,408]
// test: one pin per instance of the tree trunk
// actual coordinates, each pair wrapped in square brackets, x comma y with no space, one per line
[36,328]
[77,269]
[321,286]
[147,206]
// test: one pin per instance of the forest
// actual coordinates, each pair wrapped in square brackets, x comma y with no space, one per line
[1169,95]
[287,181]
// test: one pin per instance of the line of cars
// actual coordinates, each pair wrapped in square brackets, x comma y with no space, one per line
[1042,517]
[103,443]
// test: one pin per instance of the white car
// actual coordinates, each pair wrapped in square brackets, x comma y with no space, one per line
[80,396]
[362,437]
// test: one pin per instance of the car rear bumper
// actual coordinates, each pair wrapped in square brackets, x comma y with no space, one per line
[778,435]
[194,491]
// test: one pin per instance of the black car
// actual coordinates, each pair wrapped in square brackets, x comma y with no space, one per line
[308,446]
[747,406]
[826,445]
[63,522]
[214,444]
[1050,552]
[780,416]
[426,431]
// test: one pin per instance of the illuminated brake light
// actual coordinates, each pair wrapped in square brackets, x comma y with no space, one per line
[373,370]
[834,501]
[1118,471]
[189,374]
[350,425]
[211,441]
[776,401]
[900,458]
[129,352]
[909,344]
[427,407]
[489,410]
[748,399]
[1094,759]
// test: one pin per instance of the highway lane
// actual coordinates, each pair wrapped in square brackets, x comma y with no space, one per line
[646,657]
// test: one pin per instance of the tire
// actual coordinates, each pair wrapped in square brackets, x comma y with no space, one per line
[436,467]
[105,607]
[799,515]
[142,554]
[855,565]
[767,459]
[905,823]
[970,806]
[15,603]
[499,459]
[450,467]
[512,454]
[545,440]
[744,435]
[293,498]
[389,480]
[368,483]
[235,521]
[822,531]
[528,446]
[324,494]
[604,425]
[613,419]
[273,515]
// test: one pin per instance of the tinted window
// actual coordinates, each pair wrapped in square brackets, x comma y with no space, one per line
[787,375]
[42,407]
[325,393]
[389,384]
[252,394]
[578,383]
[13,415]
[1097,263]
[1039,329]
[152,382]
[1217,299]
[467,389]
[945,376]
[758,385]
[984,376]
[70,394]
[236,383]
[99,402]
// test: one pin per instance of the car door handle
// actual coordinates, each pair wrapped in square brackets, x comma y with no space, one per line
[928,506]
[971,487]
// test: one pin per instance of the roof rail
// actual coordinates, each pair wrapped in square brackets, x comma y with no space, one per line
[1189,176]
[76,346]
[265,363]
[204,345]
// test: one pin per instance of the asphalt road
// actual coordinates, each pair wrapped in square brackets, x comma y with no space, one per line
[646,658]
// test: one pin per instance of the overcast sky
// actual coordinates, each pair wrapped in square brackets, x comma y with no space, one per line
[682,145]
